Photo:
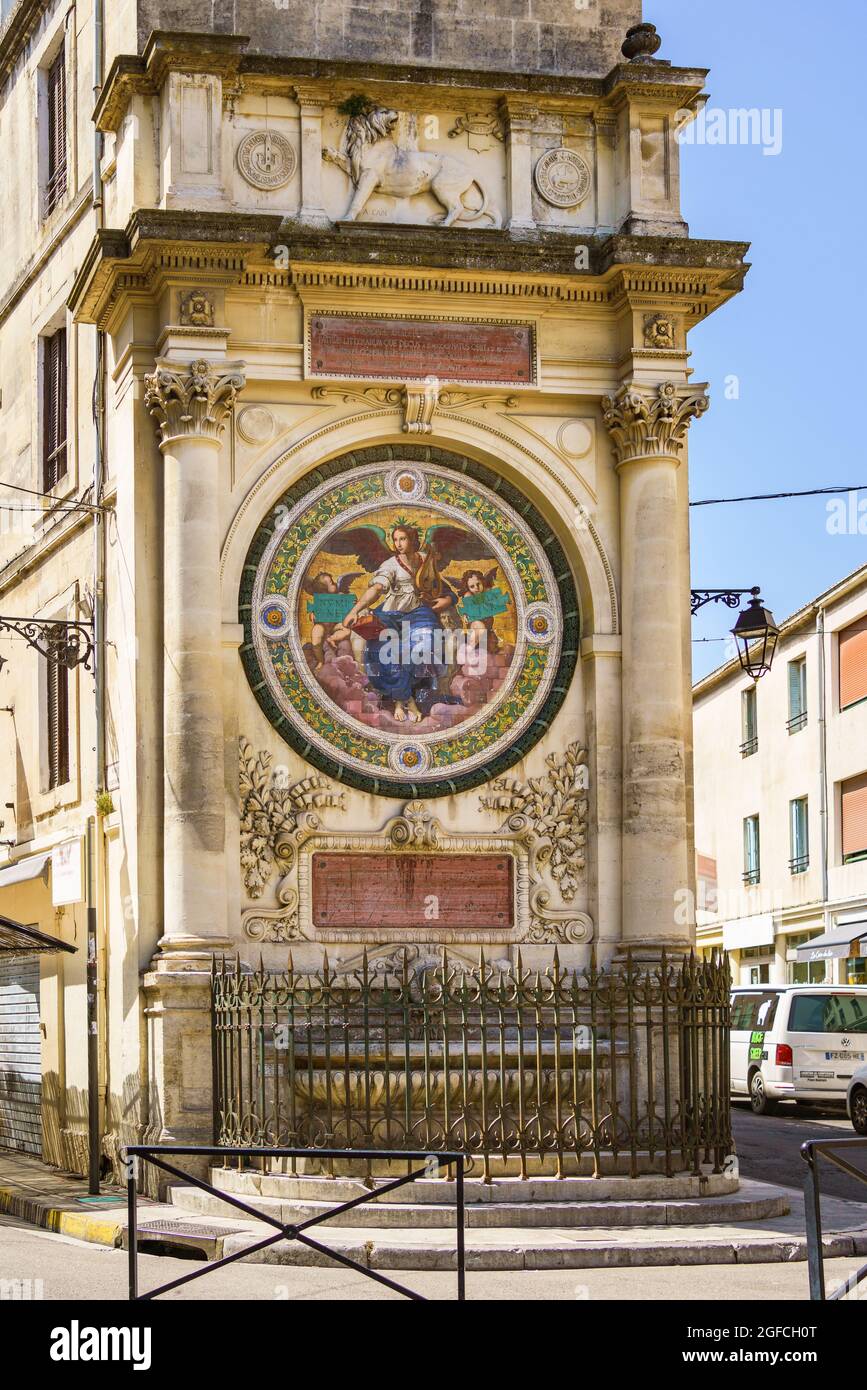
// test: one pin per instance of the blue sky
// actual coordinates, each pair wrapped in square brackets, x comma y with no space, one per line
[793,337]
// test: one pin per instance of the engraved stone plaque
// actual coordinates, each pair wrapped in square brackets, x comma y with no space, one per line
[456,891]
[349,345]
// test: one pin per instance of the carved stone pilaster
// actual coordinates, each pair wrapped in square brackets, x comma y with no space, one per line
[646,423]
[194,399]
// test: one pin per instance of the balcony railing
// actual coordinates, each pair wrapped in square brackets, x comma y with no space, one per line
[555,1070]
[800,864]
[749,747]
[797,721]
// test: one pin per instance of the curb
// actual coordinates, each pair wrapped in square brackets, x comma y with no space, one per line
[81,1225]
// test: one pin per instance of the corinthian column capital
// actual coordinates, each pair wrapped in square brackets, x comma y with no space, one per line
[647,423]
[193,399]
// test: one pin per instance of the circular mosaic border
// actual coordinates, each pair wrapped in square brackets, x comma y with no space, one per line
[512,497]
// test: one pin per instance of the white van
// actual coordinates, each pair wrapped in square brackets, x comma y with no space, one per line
[796,1042]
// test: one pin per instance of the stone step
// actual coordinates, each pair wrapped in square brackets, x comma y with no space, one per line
[289,1187]
[502,1215]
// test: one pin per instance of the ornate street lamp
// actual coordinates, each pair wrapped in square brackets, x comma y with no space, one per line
[755,631]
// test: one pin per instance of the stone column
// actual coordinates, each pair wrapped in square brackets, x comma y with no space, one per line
[191,403]
[311,101]
[518,119]
[648,428]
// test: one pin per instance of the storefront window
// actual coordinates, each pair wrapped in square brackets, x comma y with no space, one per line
[856,970]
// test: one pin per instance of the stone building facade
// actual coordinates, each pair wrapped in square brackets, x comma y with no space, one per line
[334,310]
[781,788]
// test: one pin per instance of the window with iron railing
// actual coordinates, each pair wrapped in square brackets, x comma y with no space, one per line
[55,169]
[799,836]
[752,866]
[797,695]
[53,409]
[749,722]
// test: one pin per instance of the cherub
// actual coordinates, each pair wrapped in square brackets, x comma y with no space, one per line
[475,583]
[328,634]
[406,596]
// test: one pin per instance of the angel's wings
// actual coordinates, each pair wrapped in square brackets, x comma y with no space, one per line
[313,585]
[456,543]
[346,581]
[367,543]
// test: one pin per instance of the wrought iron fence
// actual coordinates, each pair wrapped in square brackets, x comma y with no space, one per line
[620,1070]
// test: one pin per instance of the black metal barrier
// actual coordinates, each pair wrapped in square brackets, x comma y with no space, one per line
[149,1154]
[811,1152]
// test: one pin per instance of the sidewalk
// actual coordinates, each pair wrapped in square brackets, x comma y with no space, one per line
[59,1202]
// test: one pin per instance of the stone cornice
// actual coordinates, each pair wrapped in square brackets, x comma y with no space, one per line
[645,423]
[237,248]
[224,55]
[19,27]
[218,54]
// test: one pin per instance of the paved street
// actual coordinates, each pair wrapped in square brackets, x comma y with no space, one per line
[71,1269]
[768,1147]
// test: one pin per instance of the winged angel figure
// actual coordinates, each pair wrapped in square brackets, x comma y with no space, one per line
[407,596]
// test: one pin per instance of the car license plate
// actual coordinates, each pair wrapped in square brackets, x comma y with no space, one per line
[844,1056]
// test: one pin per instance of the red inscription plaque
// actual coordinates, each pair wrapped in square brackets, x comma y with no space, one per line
[458,891]
[411,349]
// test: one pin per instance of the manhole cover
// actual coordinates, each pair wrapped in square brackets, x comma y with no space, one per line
[186,1228]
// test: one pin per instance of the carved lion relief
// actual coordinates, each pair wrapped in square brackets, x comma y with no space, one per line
[376,162]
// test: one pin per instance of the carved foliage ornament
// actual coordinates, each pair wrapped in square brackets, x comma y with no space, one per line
[659,331]
[271,813]
[645,423]
[195,399]
[555,809]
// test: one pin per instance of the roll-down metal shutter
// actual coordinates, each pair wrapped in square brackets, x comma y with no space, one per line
[20,1055]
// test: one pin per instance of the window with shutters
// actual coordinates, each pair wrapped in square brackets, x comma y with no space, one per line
[853,664]
[854,808]
[797,695]
[799,836]
[54,409]
[55,169]
[752,865]
[57,730]
[749,722]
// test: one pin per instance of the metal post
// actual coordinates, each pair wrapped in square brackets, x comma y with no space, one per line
[813,1214]
[92,1026]
[460,1216]
[132,1229]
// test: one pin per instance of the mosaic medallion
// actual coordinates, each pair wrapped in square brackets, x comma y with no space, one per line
[404,627]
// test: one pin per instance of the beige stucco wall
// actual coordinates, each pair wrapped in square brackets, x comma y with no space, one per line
[785,767]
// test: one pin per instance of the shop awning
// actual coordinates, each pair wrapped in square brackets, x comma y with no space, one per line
[36,866]
[832,945]
[22,941]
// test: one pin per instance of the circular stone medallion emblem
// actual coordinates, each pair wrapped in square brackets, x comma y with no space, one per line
[563,178]
[266,160]
[404,629]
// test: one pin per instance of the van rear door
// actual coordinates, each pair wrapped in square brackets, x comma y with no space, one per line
[828,1037]
[752,1016]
